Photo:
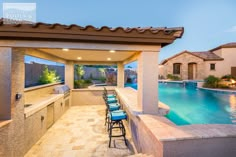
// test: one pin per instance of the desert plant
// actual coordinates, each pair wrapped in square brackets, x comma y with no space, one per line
[211,82]
[102,71]
[79,70]
[48,76]
[82,83]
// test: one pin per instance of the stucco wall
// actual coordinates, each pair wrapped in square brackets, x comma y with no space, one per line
[212,147]
[12,135]
[185,59]
[87,97]
[222,67]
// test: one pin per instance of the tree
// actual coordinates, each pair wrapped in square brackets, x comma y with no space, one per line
[79,69]
[48,76]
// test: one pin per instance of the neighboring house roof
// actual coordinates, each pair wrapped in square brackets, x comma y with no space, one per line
[205,55]
[119,35]
[228,45]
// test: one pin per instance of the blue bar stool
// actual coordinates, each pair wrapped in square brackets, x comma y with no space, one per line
[115,121]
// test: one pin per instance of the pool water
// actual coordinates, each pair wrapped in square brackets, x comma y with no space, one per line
[193,106]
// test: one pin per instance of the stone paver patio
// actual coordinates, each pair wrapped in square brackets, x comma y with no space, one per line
[80,132]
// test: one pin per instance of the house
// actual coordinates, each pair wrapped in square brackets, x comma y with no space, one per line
[219,61]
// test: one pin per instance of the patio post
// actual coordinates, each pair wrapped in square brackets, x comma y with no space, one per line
[120,75]
[148,81]
[69,74]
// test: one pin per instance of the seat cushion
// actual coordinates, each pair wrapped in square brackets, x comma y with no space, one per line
[111,96]
[118,115]
[114,106]
[111,100]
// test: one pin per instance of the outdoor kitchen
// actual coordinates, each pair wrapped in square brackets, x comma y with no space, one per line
[44,105]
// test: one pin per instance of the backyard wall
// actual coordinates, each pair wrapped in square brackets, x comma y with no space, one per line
[89,96]
[34,70]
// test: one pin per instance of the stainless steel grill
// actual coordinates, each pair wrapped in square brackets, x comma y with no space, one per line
[64,89]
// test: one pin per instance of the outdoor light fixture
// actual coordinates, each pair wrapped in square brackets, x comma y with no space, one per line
[233,81]
[79,58]
[112,51]
[65,49]
[108,59]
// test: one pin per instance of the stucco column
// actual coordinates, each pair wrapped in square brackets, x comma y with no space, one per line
[120,75]
[148,82]
[69,74]
[12,82]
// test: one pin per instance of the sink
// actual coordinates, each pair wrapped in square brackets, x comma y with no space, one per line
[28,105]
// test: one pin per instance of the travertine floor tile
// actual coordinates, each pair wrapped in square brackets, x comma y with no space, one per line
[80,132]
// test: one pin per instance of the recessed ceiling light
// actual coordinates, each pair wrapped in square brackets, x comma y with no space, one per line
[108,59]
[79,58]
[112,51]
[65,49]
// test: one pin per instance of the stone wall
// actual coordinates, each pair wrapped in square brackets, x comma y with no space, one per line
[185,59]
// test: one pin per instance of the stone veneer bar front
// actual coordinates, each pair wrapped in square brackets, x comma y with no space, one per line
[160,137]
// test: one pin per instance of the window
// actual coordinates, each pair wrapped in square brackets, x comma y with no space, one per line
[212,66]
[176,68]
[100,75]
[40,71]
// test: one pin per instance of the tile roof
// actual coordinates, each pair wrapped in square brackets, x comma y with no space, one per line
[56,31]
[205,55]
[228,45]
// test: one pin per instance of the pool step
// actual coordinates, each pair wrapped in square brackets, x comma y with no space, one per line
[140,155]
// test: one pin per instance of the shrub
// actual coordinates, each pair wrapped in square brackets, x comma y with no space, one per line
[88,81]
[227,77]
[211,82]
[48,76]
[173,77]
[82,83]
[79,71]
[223,86]
[102,79]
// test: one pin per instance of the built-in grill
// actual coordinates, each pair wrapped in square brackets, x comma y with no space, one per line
[64,89]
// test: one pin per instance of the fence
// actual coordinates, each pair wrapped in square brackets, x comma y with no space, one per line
[34,70]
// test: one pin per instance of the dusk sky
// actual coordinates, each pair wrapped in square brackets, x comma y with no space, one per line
[207,23]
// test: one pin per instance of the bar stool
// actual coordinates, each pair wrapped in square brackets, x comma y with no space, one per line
[115,121]
[108,95]
[111,105]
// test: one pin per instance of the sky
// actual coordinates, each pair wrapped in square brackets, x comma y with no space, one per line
[207,23]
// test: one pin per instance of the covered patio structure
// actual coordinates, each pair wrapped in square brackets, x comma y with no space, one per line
[84,45]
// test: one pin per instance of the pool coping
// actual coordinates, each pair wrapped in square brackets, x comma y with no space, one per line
[218,90]
[165,130]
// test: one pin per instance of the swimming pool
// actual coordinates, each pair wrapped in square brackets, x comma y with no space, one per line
[193,106]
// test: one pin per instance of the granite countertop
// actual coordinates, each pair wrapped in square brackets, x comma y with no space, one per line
[40,103]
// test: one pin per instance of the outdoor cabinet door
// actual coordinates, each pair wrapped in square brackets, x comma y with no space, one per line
[35,128]
[58,109]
